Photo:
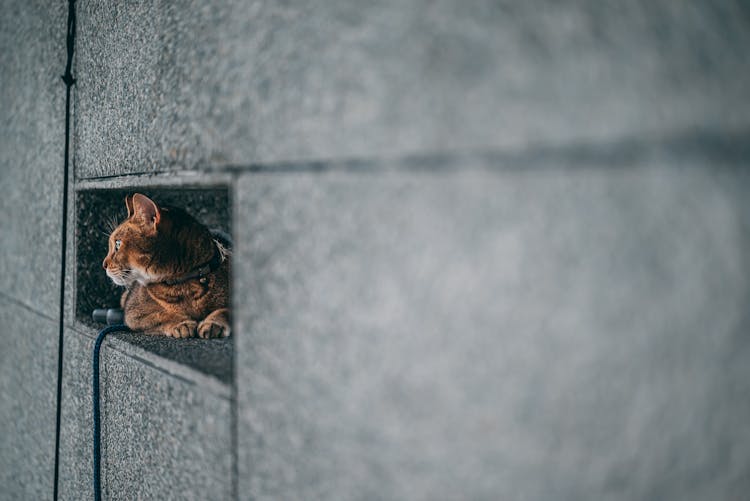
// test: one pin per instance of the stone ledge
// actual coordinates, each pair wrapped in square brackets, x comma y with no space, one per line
[206,363]
[193,179]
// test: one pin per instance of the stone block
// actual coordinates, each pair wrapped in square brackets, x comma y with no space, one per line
[163,437]
[28,389]
[191,85]
[32,37]
[494,333]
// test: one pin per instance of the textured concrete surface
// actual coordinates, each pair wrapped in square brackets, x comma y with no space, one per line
[511,334]
[31,163]
[163,437]
[28,384]
[491,282]
[32,100]
[186,85]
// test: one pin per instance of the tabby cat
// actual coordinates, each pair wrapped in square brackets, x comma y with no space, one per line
[175,273]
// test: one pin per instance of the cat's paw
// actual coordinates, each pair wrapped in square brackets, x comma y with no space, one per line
[184,329]
[211,328]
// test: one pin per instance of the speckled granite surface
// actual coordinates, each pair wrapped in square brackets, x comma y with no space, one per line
[163,436]
[28,380]
[32,101]
[502,253]
[193,85]
[510,334]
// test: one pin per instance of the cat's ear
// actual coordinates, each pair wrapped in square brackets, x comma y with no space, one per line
[146,210]
[129,205]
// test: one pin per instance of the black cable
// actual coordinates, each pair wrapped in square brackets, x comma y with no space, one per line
[95,401]
[69,82]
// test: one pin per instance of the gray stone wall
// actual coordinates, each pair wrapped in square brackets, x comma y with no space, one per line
[32,103]
[165,435]
[190,85]
[495,334]
[483,250]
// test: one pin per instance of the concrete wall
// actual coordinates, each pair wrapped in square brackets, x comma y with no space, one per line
[497,334]
[32,103]
[482,250]
[165,434]
[190,85]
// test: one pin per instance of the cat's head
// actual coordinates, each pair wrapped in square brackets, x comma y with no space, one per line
[133,244]
[155,243]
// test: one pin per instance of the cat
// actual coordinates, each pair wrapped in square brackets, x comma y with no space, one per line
[175,273]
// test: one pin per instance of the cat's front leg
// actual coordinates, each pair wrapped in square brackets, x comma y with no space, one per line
[157,324]
[183,329]
[144,314]
[216,324]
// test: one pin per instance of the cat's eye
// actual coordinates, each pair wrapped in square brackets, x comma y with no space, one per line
[118,243]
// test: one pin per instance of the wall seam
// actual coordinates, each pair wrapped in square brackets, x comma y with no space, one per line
[69,82]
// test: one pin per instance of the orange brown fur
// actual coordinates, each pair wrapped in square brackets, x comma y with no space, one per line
[158,244]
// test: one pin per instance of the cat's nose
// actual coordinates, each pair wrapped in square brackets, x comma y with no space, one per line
[105,263]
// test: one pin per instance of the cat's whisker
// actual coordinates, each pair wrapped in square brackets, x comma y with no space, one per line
[111,224]
[223,251]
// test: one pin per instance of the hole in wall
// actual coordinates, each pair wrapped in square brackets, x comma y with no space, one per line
[95,211]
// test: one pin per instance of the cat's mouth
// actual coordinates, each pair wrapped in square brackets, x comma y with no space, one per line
[127,277]
[119,278]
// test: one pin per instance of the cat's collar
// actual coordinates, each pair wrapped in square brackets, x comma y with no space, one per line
[200,272]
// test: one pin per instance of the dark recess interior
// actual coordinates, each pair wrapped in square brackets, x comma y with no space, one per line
[95,210]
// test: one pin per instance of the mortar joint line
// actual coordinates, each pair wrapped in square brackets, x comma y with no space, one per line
[69,81]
